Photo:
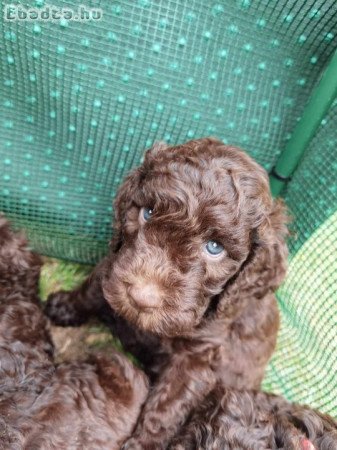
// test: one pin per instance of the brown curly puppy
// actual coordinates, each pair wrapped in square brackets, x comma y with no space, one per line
[43,406]
[198,253]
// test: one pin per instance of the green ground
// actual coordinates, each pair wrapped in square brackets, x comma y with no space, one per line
[57,274]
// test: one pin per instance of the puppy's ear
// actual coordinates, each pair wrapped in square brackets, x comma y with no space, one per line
[265,268]
[123,202]
[19,266]
[157,149]
[128,190]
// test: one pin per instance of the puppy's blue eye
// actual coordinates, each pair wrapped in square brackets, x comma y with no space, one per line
[214,248]
[147,213]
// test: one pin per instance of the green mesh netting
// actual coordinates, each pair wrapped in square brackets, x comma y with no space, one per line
[304,366]
[81,101]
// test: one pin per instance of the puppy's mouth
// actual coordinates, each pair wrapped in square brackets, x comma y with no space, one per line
[148,307]
[133,300]
[140,310]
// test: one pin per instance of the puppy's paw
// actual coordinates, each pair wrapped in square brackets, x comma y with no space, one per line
[62,311]
[307,445]
[306,429]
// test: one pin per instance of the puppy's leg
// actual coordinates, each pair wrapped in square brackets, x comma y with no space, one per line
[126,388]
[76,307]
[180,388]
[226,419]
[73,308]
[231,419]
[293,423]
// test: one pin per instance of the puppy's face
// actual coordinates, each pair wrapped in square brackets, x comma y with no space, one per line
[182,238]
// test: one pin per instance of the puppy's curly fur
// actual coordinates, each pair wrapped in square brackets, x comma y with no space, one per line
[250,420]
[196,318]
[85,405]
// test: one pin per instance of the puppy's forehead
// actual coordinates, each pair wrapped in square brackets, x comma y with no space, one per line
[203,198]
[203,180]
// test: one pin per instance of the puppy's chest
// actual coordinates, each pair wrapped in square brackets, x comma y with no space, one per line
[235,362]
[239,364]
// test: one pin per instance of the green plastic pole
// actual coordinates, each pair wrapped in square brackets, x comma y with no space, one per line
[315,110]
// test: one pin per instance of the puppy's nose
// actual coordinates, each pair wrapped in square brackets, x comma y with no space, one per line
[145,295]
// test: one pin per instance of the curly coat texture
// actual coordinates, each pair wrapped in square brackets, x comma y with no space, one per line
[83,405]
[196,321]
[230,419]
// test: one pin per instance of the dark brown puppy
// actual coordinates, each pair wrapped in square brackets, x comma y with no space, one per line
[43,406]
[198,252]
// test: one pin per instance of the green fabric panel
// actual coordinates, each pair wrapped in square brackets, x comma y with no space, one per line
[312,194]
[81,101]
[304,367]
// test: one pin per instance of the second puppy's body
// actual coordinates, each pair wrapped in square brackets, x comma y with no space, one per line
[43,406]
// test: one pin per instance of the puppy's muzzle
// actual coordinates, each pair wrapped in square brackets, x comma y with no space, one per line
[145,295]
